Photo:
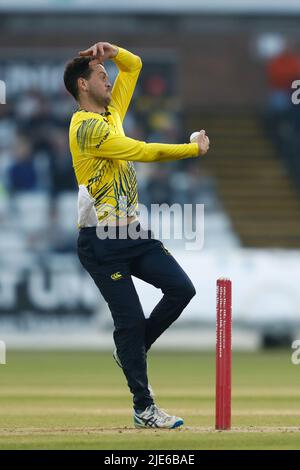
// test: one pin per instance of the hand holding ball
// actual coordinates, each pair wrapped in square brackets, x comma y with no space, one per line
[202,140]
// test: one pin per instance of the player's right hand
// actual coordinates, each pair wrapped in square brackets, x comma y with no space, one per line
[101,51]
[203,142]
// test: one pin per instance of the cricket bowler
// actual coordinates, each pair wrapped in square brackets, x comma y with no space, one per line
[103,160]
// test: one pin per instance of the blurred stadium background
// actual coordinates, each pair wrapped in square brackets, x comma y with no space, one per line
[225,66]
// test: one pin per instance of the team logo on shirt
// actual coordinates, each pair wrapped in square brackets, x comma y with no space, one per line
[116,276]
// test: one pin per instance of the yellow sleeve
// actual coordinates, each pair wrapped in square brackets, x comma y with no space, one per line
[95,139]
[129,66]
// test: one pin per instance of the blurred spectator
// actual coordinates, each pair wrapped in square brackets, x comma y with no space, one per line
[283,115]
[62,173]
[7,127]
[164,127]
[282,70]
[22,173]
[36,119]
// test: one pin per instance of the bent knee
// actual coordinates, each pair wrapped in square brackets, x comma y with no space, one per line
[191,291]
[187,291]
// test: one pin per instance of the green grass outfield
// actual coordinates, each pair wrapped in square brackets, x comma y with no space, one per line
[72,400]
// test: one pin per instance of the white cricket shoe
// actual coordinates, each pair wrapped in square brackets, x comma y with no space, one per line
[154,417]
[117,359]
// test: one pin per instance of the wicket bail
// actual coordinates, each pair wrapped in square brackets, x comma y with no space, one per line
[223,354]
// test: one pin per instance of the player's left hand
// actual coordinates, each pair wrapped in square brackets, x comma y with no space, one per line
[101,51]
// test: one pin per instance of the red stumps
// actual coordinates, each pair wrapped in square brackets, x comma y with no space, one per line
[223,355]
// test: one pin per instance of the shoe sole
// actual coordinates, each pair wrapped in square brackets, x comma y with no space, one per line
[175,425]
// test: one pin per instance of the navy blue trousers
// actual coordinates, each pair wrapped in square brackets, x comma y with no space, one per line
[111,263]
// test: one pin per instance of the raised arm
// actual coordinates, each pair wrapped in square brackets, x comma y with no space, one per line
[95,140]
[129,66]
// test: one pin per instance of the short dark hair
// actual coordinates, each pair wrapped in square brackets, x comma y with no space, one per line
[76,68]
